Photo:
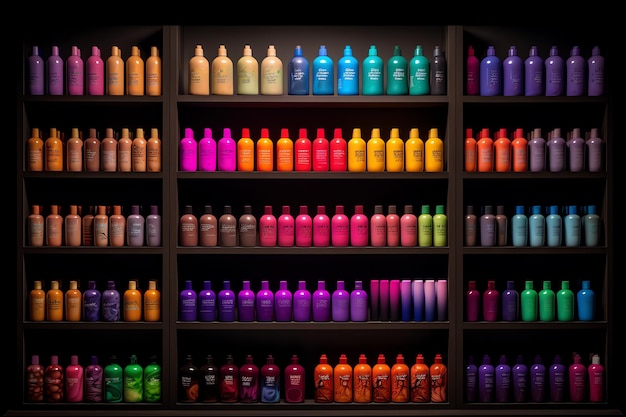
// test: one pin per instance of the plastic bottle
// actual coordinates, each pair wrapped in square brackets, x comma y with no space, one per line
[247,228]
[409,227]
[283,303]
[393,226]
[113,381]
[115,73]
[208,228]
[286,228]
[529,302]
[470,223]
[359,227]
[302,151]
[135,73]
[400,381]
[152,381]
[154,70]
[594,147]
[295,381]
[575,73]
[556,147]
[135,225]
[534,74]
[94,381]
[491,302]
[229,381]
[53,152]
[74,381]
[438,73]
[575,147]
[358,303]
[271,73]
[519,380]
[207,152]
[536,227]
[35,151]
[298,72]
[108,152]
[188,303]
[54,381]
[519,151]
[470,154]
[554,73]
[596,379]
[510,302]
[199,73]
[502,226]
[302,303]
[265,303]
[54,73]
[75,73]
[265,152]
[378,227]
[472,73]
[152,303]
[433,152]
[362,381]
[321,227]
[153,151]
[578,383]
[557,378]
[248,381]
[419,73]
[565,303]
[222,81]
[356,152]
[226,152]
[547,302]
[139,152]
[37,302]
[503,390]
[373,74]
[486,381]
[424,227]
[397,78]
[246,300]
[267,228]
[153,227]
[554,227]
[227,228]
[188,381]
[124,151]
[323,380]
[340,303]
[348,74]
[226,303]
[340,228]
[73,302]
[208,381]
[188,228]
[133,381]
[92,301]
[247,73]
[414,152]
[470,379]
[91,149]
[572,227]
[595,73]
[321,303]
[394,152]
[94,71]
[502,151]
[323,75]
[381,379]
[585,302]
[487,227]
[591,226]
[490,74]
[132,303]
[375,152]
[284,151]
[270,381]
[207,303]
[513,74]
[472,302]
[343,383]
[519,227]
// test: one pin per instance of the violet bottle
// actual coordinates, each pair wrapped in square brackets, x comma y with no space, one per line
[538,381]
[358,302]
[206,303]
[576,151]
[519,376]
[321,303]
[340,303]
[91,302]
[245,303]
[265,303]
[486,381]
[510,302]
[187,303]
[503,381]
[471,380]
[554,73]
[207,152]
[533,73]
[283,303]
[557,377]
[226,303]
[111,303]
[302,303]
[513,74]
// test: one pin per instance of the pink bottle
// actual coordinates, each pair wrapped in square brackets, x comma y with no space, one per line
[577,380]
[304,228]
[596,380]
[378,227]
[408,227]
[359,227]
[188,152]
[285,229]
[227,152]
[393,226]
[267,228]
[74,381]
[95,73]
[339,228]
[75,73]
[321,227]
[338,152]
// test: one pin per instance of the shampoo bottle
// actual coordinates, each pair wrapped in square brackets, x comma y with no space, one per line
[343,383]
[565,303]
[529,302]
[596,379]
[94,72]
[347,74]
[298,72]
[472,74]
[595,72]
[133,381]
[502,373]
[74,381]
[265,303]
[94,381]
[271,73]
[578,383]
[246,303]
[207,303]
[226,303]
[321,227]
[362,380]
[154,73]
[283,303]
[490,74]
[187,303]
[557,380]
[397,81]
[115,73]
[295,380]
[438,73]
[270,381]
[547,302]
[419,73]
[54,381]
[226,152]
[208,381]
[54,73]
[519,380]
[229,381]
[323,75]
[323,379]
[575,73]
[554,73]
[199,73]
[135,73]
[340,303]
[247,73]
[400,380]
[75,73]
[207,152]
[372,77]
[321,304]
[534,74]
[513,74]
[113,381]
[486,381]
[381,379]
[222,78]
[302,303]
[249,381]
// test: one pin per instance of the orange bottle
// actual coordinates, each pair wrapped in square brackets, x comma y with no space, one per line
[519,150]
[115,70]
[117,227]
[124,151]
[245,151]
[469,151]
[135,73]
[438,381]
[265,152]
[284,151]
[53,148]
[138,152]
[420,380]
[400,380]
[152,303]
[132,302]
[36,226]
[73,227]
[108,151]
[342,381]
[362,381]
[484,152]
[74,152]
[153,72]
[381,381]
[323,381]
[502,152]
[34,154]
[73,302]
[153,151]
[101,227]
[37,302]
[87,231]
[54,302]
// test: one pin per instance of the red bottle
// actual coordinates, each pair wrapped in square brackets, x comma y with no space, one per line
[294,381]
[229,381]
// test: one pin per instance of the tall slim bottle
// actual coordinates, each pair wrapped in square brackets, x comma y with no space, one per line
[372,73]
[135,73]
[596,378]
[470,379]
[35,151]
[585,302]
[484,151]
[153,227]
[37,302]
[208,382]
[536,227]
[298,72]
[108,151]
[594,147]
[472,302]
[438,73]
[283,303]
[245,301]
[502,151]
[556,147]
[472,74]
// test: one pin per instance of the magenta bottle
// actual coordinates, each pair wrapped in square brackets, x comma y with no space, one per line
[554,73]
[249,381]
[513,74]
[270,381]
[359,227]
[533,74]
[358,302]
[340,303]
[538,380]
[374,299]
[95,73]
[94,374]
[321,227]
[226,152]
[338,152]
[265,303]
[207,300]
[295,379]
[285,228]
[510,302]
[393,226]
[188,151]
[207,152]
[55,69]
[486,381]
[502,373]
[471,380]
[303,228]
[188,303]
[74,381]
[340,228]
[557,380]
[383,302]
[378,227]
[556,146]
[92,302]
[472,302]
[321,303]
[596,379]
[575,147]
[519,380]
[283,303]
[487,222]
[246,303]
[75,73]
[577,380]
[408,227]
[111,303]
[267,228]
[472,79]
[135,225]
[491,301]
[575,73]
[302,303]
[226,303]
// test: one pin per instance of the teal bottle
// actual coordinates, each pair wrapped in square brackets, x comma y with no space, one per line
[572,227]
[397,83]
[323,75]
[372,74]
[152,377]
[113,381]
[565,303]
[519,227]
[585,301]
[419,73]
[133,381]
[547,302]
[529,302]
[536,227]
[347,74]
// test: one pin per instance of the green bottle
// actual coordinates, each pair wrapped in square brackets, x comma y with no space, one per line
[419,73]
[546,302]
[373,80]
[565,303]
[397,83]
[133,381]
[152,381]
[440,227]
[425,227]
[113,381]
[528,302]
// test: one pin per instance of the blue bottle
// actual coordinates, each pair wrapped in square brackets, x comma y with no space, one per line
[519,227]
[397,74]
[586,302]
[513,74]
[323,76]
[536,227]
[533,74]
[298,71]
[554,73]
[491,74]
[347,74]
[572,227]
[554,227]
[373,73]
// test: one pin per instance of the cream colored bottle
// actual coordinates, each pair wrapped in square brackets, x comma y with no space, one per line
[34,151]
[375,152]
[73,227]
[54,302]
[135,73]
[74,150]
[434,152]
[152,303]
[394,152]
[91,149]
[73,302]
[247,73]
[53,148]
[272,73]
[125,151]
[414,152]
[153,151]
[222,72]
[36,226]
[115,69]
[154,73]
[138,153]
[108,151]
[117,227]
[37,302]
[54,227]
[199,73]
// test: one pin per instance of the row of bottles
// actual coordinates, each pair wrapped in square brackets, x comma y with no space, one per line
[93,382]
[534,76]
[340,383]
[323,76]
[573,153]
[96,226]
[320,154]
[92,304]
[304,230]
[521,382]
[95,75]
[553,226]
[92,154]
[529,304]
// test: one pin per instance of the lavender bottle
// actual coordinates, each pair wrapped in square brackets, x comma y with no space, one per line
[91,302]
[340,303]
[302,303]
[321,303]
[358,302]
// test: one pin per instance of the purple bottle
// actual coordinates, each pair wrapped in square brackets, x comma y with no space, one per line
[503,381]
[594,151]
[303,228]
[35,73]
[487,222]
[302,303]
[206,303]
[245,303]
[283,303]
[265,303]
[75,73]
[91,302]
[519,376]
[576,151]
[557,377]
[538,381]
[491,300]
[321,303]
[471,380]
[54,73]
[417,295]
[188,151]
[490,74]
[537,152]
[187,303]
[226,303]
[533,73]
[207,152]
[555,73]
[472,302]
[556,151]
[321,227]
[486,381]
[358,302]
[94,374]
[135,227]
[340,303]
[510,302]
[226,152]
[595,71]
[575,73]
[111,303]
[513,74]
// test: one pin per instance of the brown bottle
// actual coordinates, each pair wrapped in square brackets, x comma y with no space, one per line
[101,227]
[87,229]
[73,302]
[247,228]
[188,228]
[36,227]
[153,151]
[208,228]
[124,151]
[74,148]
[138,152]
[117,227]
[73,227]
[108,152]
[92,151]
[227,224]
[54,227]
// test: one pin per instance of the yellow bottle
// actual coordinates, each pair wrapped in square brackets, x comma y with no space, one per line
[152,303]
[247,73]
[135,73]
[138,152]
[154,69]
[284,151]
[222,82]
[245,151]
[434,152]
[37,301]
[34,152]
[394,152]
[414,152]
[73,302]
[199,73]
[265,152]
[132,305]
[54,302]
[357,152]
[74,149]
[53,148]
[271,73]
[375,152]
[153,151]
[115,73]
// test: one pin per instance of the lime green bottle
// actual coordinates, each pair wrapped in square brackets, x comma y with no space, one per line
[152,381]
[133,381]
[425,227]
[113,381]
[440,227]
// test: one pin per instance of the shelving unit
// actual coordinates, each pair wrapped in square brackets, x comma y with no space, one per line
[171,264]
